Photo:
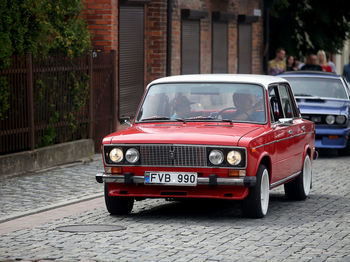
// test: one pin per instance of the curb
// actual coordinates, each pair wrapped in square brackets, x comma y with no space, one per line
[49,207]
[46,157]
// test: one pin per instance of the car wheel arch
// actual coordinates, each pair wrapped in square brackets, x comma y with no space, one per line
[307,151]
[265,160]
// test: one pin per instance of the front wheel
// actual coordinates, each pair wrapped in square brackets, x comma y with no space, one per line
[345,151]
[256,204]
[299,188]
[118,205]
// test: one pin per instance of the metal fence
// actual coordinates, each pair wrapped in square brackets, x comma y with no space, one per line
[51,99]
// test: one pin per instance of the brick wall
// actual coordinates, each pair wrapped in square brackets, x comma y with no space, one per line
[247,7]
[236,7]
[102,18]
[155,40]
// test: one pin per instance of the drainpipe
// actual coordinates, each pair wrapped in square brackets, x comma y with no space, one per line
[267,6]
[169,33]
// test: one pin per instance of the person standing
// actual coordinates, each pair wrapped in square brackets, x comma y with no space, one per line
[330,62]
[346,71]
[322,60]
[277,65]
[311,64]
[290,63]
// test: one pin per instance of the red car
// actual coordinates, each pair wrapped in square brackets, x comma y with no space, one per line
[211,136]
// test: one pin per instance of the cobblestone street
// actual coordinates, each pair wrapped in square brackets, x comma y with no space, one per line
[54,187]
[317,229]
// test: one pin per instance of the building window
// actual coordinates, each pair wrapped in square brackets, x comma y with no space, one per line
[131,58]
[220,48]
[190,47]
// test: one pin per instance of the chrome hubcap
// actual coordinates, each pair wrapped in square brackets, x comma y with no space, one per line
[307,174]
[265,192]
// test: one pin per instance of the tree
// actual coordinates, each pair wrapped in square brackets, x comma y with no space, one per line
[42,26]
[302,26]
[39,27]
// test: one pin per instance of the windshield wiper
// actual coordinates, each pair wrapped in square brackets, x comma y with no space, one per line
[156,118]
[180,119]
[227,120]
[200,118]
[302,95]
[163,118]
[209,118]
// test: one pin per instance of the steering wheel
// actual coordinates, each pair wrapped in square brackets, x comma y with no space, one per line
[222,111]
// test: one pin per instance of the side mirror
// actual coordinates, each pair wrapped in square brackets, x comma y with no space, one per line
[125,121]
[285,121]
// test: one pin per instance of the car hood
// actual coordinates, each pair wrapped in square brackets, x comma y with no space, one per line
[186,133]
[323,106]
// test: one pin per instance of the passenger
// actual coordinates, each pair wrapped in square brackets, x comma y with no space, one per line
[182,108]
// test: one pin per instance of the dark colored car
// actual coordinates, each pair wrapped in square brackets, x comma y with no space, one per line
[324,98]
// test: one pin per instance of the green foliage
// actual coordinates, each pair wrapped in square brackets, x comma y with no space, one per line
[44,27]
[49,133]
[62,104]
[41,27]
[68,31]
[309,25]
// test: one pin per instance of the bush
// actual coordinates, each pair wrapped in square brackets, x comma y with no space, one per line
[39,27]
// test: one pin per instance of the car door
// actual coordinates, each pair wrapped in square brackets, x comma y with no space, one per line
[282,138]
[296,130]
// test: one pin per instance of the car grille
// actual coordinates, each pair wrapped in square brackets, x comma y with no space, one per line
[173,155]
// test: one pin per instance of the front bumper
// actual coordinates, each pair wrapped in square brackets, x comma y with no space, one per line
[331,137]
[212,180]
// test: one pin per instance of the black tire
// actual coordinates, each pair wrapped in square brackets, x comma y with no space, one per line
[299,188]
[255,205]
[345,151]
[118,205]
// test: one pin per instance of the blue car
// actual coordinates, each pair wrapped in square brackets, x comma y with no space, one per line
[324,98]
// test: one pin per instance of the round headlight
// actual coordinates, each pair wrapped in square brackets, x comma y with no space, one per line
[116,155]
[340,120]
[330,120]
[234,157]
[216,157]
[132,155]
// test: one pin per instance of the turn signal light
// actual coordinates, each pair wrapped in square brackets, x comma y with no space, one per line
[116,170]
[333,137]
[236,173]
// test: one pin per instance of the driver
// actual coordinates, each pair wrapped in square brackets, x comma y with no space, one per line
[246,105]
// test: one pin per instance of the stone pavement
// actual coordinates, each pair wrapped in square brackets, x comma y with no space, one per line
[314,230]
[38,191]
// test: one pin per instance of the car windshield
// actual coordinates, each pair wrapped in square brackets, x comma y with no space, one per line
[317,87]
[187,102]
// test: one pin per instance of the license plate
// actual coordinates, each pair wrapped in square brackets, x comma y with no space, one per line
[171,178]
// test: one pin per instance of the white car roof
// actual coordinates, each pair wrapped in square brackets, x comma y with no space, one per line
[264,80]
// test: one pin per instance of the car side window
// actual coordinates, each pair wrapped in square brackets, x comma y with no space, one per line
[287,103]
[276,111]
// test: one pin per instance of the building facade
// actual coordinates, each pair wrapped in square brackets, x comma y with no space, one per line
[157,38]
